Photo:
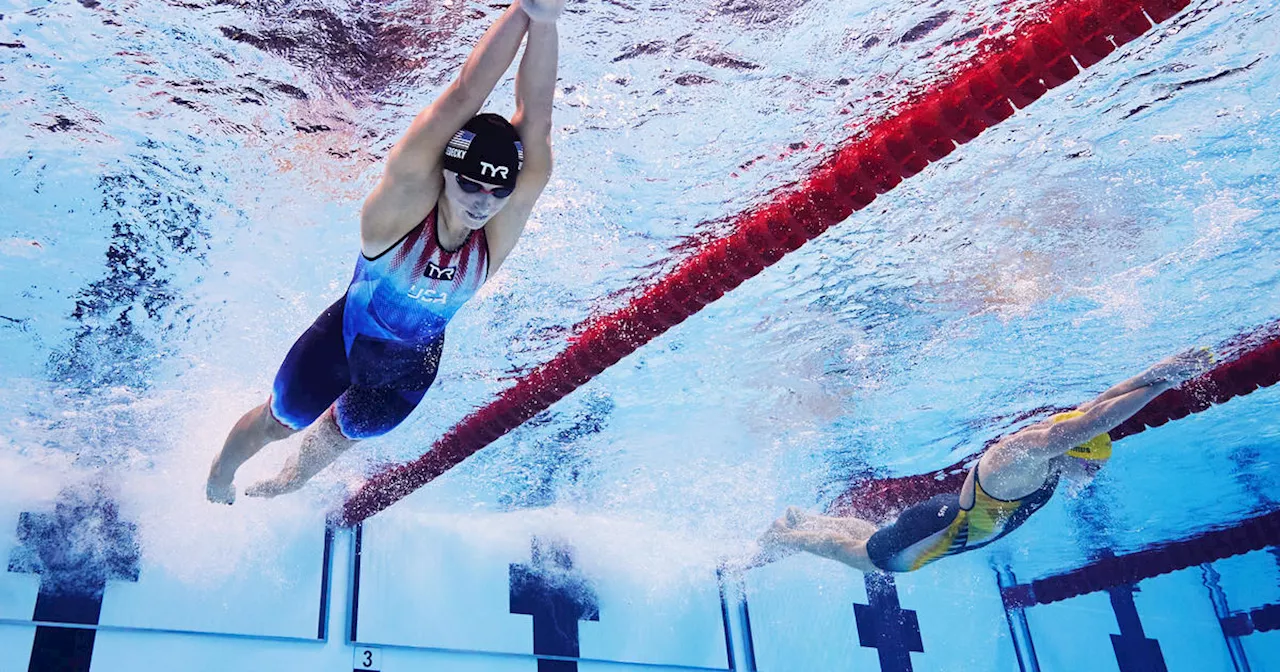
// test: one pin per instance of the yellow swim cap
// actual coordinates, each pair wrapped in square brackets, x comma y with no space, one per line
[1096,449]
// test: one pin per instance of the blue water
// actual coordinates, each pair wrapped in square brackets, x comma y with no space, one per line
[181,188]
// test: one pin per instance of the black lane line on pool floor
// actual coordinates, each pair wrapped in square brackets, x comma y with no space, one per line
[885,626]
[724,617]
[355,580]
[326,567]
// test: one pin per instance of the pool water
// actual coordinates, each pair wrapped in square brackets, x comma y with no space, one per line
[182,187]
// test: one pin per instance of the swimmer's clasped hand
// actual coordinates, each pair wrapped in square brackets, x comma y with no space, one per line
[543,11]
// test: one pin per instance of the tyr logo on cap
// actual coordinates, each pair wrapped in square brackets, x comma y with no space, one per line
[489,170]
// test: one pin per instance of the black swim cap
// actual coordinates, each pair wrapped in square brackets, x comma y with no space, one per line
[487,149]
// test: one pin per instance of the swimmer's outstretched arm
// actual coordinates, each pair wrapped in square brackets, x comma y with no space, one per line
[1108,410]
[536,85]
[1155,373]
[410,186]
[535,93]
[1103,416]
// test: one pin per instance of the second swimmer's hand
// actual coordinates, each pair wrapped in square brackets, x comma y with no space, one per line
[545,11]
[1183,366]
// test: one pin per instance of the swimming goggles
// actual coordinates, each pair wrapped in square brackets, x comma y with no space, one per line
[472,187]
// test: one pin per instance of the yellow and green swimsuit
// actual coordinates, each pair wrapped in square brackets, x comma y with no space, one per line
[941,526]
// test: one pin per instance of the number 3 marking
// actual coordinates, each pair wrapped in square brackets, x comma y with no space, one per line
[368,658]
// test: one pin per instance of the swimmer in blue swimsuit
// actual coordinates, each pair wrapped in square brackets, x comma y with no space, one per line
[453,200]
[1012,480]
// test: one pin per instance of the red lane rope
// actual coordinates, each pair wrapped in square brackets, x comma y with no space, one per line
[1042,55]
[1252,534]
[1250,361]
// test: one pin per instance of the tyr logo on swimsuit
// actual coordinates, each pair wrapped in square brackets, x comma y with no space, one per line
[437,273]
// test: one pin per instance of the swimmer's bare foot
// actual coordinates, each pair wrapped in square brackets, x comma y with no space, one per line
[800,520]
[776,536]
[280,485]
[220,489]
[796,518]
[770,547]
[757,555]
[220,493]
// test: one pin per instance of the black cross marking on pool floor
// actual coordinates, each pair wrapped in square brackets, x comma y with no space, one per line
[1135,652]
[75,549]
[885,626]
[557,597]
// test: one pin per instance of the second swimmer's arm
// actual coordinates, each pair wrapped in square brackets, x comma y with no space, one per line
[1101,417]
[1139,381]
[1176,367]
[1109,410]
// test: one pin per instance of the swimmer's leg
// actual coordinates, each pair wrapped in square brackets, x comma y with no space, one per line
[841,539]
[835,544]
[312,376]
[322,443]
[255,430]
[799,519]
[360,413]
[766,549]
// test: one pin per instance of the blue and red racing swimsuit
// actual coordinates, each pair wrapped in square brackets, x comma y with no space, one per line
[373,354]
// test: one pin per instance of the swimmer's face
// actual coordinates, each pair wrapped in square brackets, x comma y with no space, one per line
[473,202]
[1079,471]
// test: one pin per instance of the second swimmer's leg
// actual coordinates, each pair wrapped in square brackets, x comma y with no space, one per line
[799,519]
[826,541]
[797,530]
